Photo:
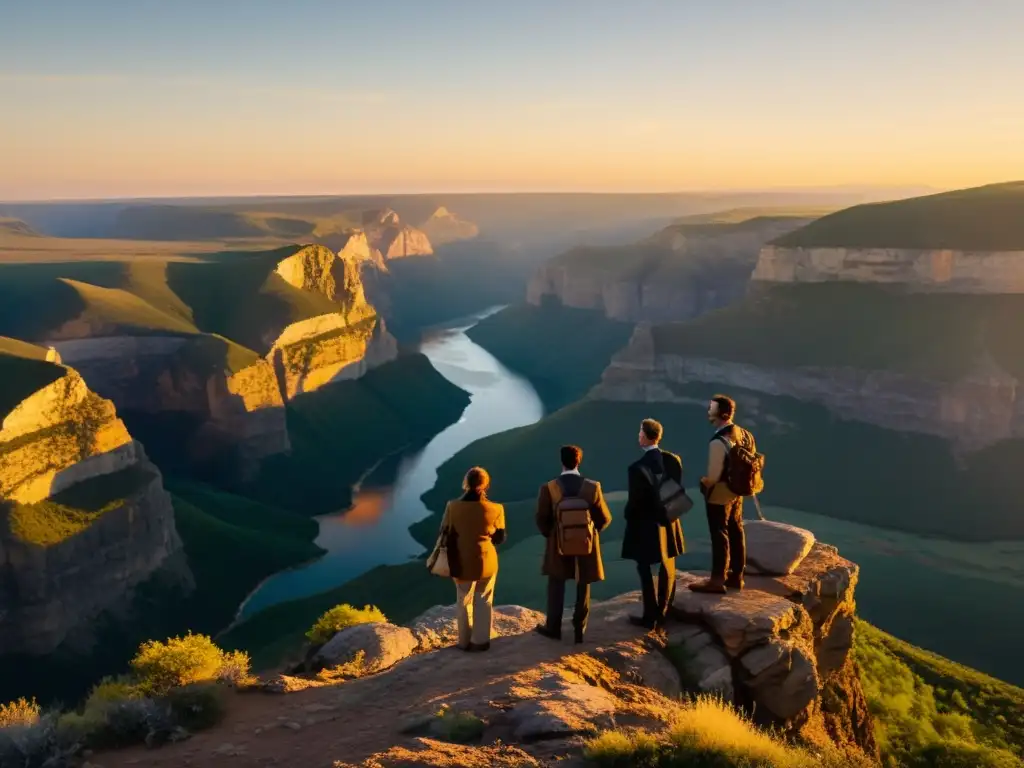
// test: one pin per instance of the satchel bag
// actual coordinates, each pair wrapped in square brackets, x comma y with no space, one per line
[438,563]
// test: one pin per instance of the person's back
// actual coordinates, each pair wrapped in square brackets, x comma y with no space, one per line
[571,513]
[474,525]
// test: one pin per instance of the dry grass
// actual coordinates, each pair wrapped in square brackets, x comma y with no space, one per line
[15,249]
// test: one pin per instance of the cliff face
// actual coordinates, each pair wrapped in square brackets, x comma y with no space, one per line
[238,410]
[329,348]
[316,268]
[972,412]
[445,227]
[994,272]
[85,517]
[677,274]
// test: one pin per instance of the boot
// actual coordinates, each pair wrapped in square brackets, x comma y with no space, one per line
[711,586]
[544,631]
[735,581]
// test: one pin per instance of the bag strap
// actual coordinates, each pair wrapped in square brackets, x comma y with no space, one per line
[555,489]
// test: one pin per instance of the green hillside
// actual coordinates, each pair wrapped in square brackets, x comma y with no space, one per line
[857,325]
[562,351]
[341,431]
[989,218]
[738,215]
[203,222]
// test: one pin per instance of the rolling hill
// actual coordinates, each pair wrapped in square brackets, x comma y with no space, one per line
[989,218]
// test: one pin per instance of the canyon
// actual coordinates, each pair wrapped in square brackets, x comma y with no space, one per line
[678,273]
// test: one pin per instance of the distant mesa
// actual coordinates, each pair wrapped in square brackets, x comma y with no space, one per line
[16,227]
[445,227]
[967,241]
[679,272]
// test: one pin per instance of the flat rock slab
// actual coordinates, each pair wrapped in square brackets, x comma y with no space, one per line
[702,664]
[567,708]
[776,548]
[436,628]
[740,620]
[382,644]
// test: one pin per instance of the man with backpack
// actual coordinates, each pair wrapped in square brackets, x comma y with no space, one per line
[654,534]
[734,471]
[571,513]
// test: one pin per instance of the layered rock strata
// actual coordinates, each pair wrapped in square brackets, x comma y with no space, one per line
[84,517]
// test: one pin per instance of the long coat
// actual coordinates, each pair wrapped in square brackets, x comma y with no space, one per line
[647,540]
[477,524]
[555,565]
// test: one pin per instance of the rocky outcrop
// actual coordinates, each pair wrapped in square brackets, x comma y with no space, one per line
[84,517]
[318,269]
[330,348]
[443,227]
[951,271]
[393,239]
[58,436]
[677,274]
[970,412]
[776,548]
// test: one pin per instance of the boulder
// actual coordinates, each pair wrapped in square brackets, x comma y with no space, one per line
[776,548]
[436,628]
[563,709]
[383,644]
[703,666]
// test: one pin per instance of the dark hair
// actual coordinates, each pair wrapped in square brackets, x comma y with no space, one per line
[652,430]
[726,407]
[476,480]
[571,456]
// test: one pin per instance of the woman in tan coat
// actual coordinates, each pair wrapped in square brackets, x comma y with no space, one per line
[475,525]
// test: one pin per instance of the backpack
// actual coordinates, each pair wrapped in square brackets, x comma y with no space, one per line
[574,530]
[672,500]
[743,466]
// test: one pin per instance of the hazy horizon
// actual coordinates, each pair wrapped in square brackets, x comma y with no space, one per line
[117,99]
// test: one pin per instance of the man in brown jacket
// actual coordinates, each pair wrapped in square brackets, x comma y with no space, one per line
[584,570]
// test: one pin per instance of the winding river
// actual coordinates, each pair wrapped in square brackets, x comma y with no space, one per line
[375,529]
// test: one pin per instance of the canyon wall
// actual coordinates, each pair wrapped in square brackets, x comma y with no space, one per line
[970,412]
[677,274]
[84,517]
[443,227]
[922,270]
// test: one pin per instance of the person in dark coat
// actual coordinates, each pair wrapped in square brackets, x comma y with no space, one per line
[648,539]
[584,570]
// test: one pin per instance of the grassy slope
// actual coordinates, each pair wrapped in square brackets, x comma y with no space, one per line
[206,222]
[561,351]
[923,701]
[982,218]
[826,325]
[340,431]
[71,511]
[739,215]
[23,370]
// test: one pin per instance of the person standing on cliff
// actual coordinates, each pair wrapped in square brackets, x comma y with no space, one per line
[724,507]
[571,514]
[649,539]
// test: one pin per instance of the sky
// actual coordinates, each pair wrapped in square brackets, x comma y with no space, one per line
[134,98]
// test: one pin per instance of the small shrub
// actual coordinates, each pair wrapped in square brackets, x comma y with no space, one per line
[37,745]
[161,667]
[198,706]
[354,667]
[625,749]
[340,617]
[20,712]
[458,727]
[136,721]
[110,690]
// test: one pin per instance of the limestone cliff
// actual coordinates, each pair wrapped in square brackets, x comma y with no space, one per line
[84,517]
[392,238]
[188,376]
[317,269]
[443,226]
[950,271]
[676,274]
[971,412]
[329,348]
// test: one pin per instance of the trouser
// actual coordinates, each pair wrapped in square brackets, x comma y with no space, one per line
[556,606]
[657,601]
[473,610]
[728,542]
